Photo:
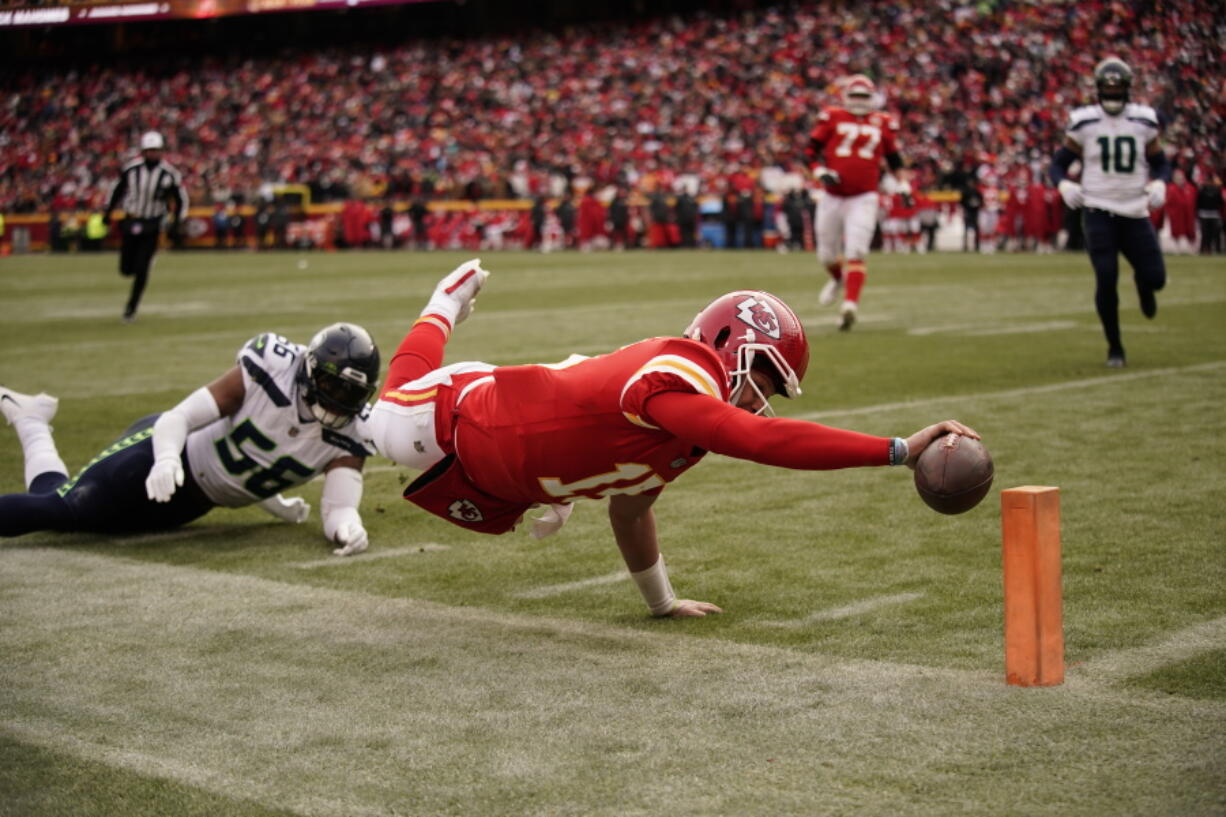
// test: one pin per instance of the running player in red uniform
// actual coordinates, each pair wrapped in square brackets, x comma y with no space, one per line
[845,152]
[494,442]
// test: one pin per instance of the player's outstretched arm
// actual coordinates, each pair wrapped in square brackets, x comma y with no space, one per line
[220,398]
[634,528]
[339,506]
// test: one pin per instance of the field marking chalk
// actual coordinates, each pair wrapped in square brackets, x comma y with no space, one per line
[858,608]
[1008,394]
[370,556]
[566,587]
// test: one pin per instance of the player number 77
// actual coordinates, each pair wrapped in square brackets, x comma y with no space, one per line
[850,131]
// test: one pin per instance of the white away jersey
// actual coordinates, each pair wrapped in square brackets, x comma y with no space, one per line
[1114,168]
[266,447]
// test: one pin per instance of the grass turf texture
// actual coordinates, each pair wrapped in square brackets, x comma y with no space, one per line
[858,669]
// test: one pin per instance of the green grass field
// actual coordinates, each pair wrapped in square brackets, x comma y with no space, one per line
[234,667]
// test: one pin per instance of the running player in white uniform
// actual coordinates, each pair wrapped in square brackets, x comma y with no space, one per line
[1122,171]
[283,414]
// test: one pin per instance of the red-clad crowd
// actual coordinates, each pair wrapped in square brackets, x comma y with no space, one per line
[708,103]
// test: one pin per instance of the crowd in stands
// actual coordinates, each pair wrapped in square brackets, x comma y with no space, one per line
[702,104]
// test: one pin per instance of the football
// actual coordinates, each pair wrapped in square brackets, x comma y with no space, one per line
[953,474]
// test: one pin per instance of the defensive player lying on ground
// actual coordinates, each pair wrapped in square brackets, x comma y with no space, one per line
[494,442]
[282,414]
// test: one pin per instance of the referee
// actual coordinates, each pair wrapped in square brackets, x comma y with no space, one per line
[146,186]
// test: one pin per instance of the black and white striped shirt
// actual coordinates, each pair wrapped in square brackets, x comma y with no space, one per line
[144,191]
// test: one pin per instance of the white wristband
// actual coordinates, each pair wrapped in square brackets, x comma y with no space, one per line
[656,589]
[342,494]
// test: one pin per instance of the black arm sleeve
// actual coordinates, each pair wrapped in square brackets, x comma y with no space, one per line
[1159,166]
[1060,164]
[894,161]
[117,193]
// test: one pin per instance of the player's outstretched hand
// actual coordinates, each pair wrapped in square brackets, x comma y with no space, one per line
[921,439]
[352,538]
[688,608]
[165,476]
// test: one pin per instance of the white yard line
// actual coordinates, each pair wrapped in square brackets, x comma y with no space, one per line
[1175,647]
[1009,394]
[567,587]
[858,608]
[370,556]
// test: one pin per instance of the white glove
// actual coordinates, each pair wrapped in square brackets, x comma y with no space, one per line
[1071,192]
[552,520]
[294,511]
[826,176]
[164,477]
[890,184]
[1156,190]
[352,538]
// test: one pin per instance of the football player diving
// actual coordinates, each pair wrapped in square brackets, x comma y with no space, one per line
[280,416]
[495,441]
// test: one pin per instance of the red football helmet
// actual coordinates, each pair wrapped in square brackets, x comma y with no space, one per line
[740,326]
[859,95]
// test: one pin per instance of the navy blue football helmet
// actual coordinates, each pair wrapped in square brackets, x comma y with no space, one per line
[1113,80]
[339,373]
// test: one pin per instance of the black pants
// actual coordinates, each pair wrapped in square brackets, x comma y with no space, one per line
[1107,235]
[1210,235]
[136,250]
[107,496]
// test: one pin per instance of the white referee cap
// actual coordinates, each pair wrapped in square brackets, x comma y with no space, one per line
[151,140]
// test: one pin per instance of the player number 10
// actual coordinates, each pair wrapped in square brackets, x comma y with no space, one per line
[1120,152]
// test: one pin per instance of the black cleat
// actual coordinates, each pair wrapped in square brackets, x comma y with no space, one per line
[1149,304]
[1115,359]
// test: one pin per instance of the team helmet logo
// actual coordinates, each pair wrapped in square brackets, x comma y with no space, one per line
[760,316]
[465,511]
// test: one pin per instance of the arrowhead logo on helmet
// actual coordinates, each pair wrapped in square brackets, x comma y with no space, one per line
[775,343]
[758,314]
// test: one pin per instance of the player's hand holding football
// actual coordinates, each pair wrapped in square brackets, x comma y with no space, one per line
[688,608]
[921,439]
[352,538]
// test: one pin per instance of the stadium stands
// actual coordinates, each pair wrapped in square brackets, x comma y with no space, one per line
[703,99]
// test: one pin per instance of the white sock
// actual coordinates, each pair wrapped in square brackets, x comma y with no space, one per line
[38,446]
[445,306]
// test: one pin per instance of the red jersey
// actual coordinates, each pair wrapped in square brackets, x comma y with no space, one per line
[854,147]
[554,434]
[628,422]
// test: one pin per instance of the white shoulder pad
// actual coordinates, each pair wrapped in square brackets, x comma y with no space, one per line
[1143,114]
